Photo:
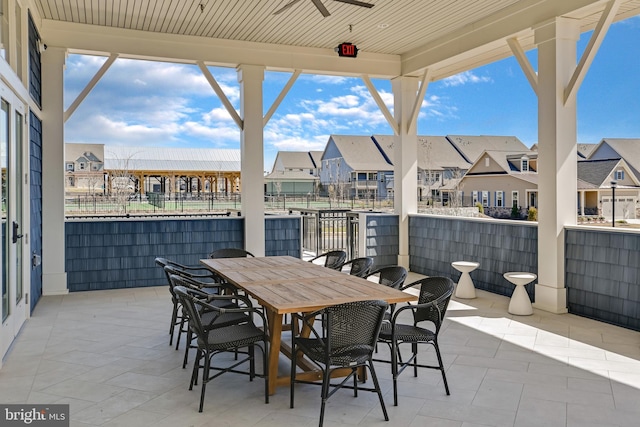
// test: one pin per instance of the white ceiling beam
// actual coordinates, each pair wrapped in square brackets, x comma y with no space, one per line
[418,103]
[280,97]
[467,42]
[223,97]
[592,48]
[383,107]
[524,62]
[93,39]
[89,87]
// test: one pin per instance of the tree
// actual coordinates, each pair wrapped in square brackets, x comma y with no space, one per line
[121,181]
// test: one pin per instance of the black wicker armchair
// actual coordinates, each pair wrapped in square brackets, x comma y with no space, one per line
[215,337]
[435,293]
[359,267]
[332,259]
[347,342]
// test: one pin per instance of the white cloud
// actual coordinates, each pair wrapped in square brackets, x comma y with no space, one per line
[465,78]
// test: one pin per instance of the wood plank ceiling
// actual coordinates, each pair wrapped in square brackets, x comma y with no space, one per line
[391,27]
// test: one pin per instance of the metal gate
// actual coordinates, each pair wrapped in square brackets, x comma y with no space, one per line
[353,235]
[324,230]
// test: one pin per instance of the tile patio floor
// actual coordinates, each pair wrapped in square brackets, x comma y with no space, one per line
[106,353]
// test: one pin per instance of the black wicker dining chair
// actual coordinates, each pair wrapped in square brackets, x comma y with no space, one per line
[214,337]
[435,293]
[392,276]
[204,293]
[199,273]
[230,253]
[359,267]
[347,342]
[332,259]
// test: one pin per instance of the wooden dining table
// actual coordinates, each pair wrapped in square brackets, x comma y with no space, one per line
[285,284]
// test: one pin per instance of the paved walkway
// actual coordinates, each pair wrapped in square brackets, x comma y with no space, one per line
[106,353]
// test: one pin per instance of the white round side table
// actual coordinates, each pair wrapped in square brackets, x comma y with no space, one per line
[465,288]
[520,303]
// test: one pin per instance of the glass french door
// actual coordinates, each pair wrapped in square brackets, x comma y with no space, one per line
[12,134]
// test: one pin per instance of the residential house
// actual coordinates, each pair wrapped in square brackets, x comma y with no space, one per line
[503,179]
[294,173]
[619,148]
[583,150]
[84,168]
[595,194]
[355,166]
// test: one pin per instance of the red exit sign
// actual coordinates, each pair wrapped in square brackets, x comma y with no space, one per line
[347,49]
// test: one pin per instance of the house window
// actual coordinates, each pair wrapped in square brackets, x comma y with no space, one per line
[499,198]
[485,199]
[474,196]
[524,164]
[515,199]
[82,166]
[70,167]
[620,174]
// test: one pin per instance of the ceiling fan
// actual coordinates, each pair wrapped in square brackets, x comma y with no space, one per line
[323,10]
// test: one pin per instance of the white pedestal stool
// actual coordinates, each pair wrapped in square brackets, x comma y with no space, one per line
[520,303]
[465,288]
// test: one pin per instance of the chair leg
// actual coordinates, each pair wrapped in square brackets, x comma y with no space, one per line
[414,349]
[174,318]
[294,357]
[376,385]
[205,377]
[196,368]
[326,378]
[265,369]
[187,348]
[252,361]
[181,329]
[394,371]
[444,377]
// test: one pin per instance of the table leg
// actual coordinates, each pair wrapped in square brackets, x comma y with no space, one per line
[465,288]
[275,337]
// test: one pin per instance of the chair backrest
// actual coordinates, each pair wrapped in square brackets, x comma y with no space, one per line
[230,253]
[359,266]
[354,325]
[438,289]
[392,276]
[332,259]
[190,301]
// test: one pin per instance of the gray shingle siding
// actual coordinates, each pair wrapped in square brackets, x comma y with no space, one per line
[382,240]
[602,275]
[436,242]
[120,254]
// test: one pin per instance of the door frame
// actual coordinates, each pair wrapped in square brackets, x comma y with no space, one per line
[17,186]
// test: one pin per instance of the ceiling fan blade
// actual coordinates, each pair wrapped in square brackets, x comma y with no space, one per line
[323,10]
[357,3]
[285,7]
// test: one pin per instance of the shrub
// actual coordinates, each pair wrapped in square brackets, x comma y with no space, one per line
[533,214]
[515,212]
[480,208]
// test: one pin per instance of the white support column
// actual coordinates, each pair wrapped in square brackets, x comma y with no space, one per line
[405,170]
[54,277]
[252,155]
[557,142]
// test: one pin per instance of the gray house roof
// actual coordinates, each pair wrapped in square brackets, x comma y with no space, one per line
[611,148]
[293,160]
[471,147]
[585,150]
[596,172]
[434,152]
[360,153]
[171,159]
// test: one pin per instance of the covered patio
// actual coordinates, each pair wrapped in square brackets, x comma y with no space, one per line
[106,353]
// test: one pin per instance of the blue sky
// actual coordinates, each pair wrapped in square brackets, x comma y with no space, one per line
[143,103]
